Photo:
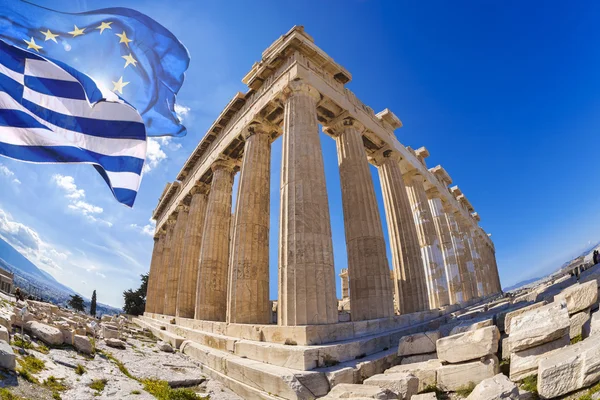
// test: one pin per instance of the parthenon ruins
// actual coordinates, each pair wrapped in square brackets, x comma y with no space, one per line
[209,275]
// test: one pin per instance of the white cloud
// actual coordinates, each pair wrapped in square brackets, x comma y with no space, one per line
[5,171]
[101,275]
[27,241]
[76,198]
[147,229]
[181,111]
[16,181]
[154,153]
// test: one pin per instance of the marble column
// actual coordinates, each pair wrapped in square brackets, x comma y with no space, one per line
[459,251]
[368,270]
[345,283]
[161,283]
[188,276]
[248,289]
[442,229]
[463,226]
[176,260]
[486,273]
[498,283]
[477,263]
[306,274]
[211,288]
[433,261]
[410,284]
[159,243]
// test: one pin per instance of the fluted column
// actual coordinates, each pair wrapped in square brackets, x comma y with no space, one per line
[306,274]
[368,269]
[192,244]
[248,299]
[486,275]
[498,283]
[465,233]
[430,251]
[344,282]
[410,284]
[460,252]
[161,283]
[446,246]
[176,259]
[159,243]
[211,288]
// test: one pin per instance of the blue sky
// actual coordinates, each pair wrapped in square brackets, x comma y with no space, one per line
[503,94]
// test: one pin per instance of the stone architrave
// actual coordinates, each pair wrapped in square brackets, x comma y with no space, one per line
[442,229]
[465,234]
[306,273]
[368,270]
[410,284]
[248,289]
[161,281]
[211,291]
[188,277]
[176,260]
[433,261]
[155,264]
[460,252]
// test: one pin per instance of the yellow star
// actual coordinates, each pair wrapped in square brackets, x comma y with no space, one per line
[124,38]
[49,36]
[31,45]
[119,85]
[103,26]
[77,31]
[129,60]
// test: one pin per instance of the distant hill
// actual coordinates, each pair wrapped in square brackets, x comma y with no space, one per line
[521,284]
[38,282]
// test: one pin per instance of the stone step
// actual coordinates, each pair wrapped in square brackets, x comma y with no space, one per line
[165,335]
[287,383]
[297,357]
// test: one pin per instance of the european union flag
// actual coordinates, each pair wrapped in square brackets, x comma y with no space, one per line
[121,49]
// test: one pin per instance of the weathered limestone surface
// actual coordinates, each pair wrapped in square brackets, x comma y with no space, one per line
[465,235]
[418,358]
[577,321]
[348,390]
[456,376]
[437,283]
[419,343]
[469,345]
[176,256]
[425,371]
[7,356]
[570,368]
[455,291]
[579,296]
[306,273]
[161,281]
[539,326]
[48,334]
[459,250]
[188,278]
[410,284]
[424,396]
[248,289]
[82,344]
[344,283]
[471,326]
[510,315]
[368,271]
[211,291]
[498,387]
[524,363]
[403,384]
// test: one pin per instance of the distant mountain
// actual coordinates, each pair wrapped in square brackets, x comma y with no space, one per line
[521,284]
[39,283]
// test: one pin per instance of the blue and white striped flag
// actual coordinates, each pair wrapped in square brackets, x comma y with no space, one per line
[51,113]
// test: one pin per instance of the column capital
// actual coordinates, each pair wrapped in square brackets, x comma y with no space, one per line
[433,193]
[300,87]
[385,155]
[199,188]
[254,129]
[455,192]
[476,216]
[183,207]
[440,173]
[339,125]
[224,163]
[466,203]
[422,153]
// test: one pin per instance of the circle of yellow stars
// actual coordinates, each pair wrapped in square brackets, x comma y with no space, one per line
[129,60]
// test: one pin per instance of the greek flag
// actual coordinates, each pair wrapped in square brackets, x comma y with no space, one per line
[51,113]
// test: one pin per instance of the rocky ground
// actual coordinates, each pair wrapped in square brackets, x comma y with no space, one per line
[95,364]
[541,342]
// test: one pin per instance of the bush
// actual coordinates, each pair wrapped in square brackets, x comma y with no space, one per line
[162,391]
[80,369]
[98,385]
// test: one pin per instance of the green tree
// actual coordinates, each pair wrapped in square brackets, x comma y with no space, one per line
[135,300]
[76,303]
[93,304]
